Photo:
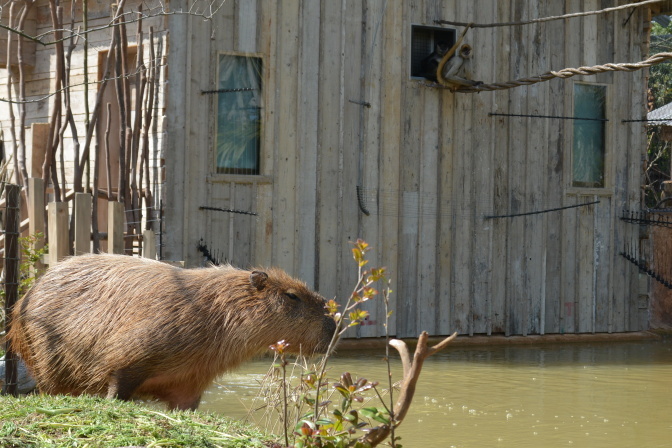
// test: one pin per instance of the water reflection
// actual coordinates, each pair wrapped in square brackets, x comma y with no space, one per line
[579,395]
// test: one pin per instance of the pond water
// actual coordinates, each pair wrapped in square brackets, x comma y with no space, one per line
[579,395]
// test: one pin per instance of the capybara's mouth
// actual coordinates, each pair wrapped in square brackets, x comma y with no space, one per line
[328,334]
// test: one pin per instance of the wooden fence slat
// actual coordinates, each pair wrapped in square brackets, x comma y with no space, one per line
[115,227]
[59,233]
[82,223]
[328,193]
[11,283]
[553,307]
[534,185]
[482,180]
[390,148]
[308,141]
[149,244]
[516,295]
[36,216]
[410,297]
[500,163]
[285,209]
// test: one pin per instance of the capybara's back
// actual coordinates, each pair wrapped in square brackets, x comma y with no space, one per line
[124,326]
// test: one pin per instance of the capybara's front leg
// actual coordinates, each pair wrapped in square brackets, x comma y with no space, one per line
[123,383]
[184,402]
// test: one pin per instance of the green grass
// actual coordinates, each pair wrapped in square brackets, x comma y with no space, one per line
[59,421]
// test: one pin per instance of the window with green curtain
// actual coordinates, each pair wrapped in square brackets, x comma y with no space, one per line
[239,114]
[588,150]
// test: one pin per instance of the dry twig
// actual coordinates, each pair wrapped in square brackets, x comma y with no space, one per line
[412,371]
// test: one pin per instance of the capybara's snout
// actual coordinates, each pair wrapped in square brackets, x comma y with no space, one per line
[329,328]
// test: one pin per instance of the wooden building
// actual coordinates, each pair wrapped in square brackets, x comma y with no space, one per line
[316,119]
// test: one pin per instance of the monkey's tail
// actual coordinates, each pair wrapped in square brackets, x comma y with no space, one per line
[449,54]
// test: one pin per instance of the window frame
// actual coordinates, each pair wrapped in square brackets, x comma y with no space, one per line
[216,176]
[607,188]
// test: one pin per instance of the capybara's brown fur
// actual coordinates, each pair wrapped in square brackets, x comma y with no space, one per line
[123,326]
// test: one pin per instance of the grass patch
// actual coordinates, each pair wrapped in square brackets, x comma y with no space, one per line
[60,421]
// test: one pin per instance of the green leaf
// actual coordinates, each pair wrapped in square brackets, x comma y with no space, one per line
[375,414]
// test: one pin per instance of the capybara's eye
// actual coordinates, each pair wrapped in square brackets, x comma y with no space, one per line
[293,296]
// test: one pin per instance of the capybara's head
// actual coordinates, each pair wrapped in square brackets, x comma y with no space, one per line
[299,316]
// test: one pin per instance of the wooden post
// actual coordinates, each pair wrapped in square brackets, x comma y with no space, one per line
[115,227]
[12,261]
[149,244]
[40,135]
[59,232]
[82,223]
[36,217]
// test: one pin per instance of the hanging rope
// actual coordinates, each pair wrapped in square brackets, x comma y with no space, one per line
[564,73]
[547,19]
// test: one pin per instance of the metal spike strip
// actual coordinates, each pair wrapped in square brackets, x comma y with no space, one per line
[650,272]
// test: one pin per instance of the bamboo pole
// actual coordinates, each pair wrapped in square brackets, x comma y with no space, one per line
[108,163]
[87,114]
[21,155]
[121,99]
[12,118]
[74,39]
[62,123]
[48,167]
[140,83]
[101,90]
[128,134]
[149,114]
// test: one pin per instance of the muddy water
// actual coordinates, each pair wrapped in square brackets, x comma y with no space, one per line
[579,395]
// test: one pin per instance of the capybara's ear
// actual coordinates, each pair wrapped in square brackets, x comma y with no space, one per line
[258,279]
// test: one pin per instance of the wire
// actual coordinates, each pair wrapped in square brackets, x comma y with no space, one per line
[547,19]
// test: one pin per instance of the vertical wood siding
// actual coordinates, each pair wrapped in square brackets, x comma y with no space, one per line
[340,110]
[431,163]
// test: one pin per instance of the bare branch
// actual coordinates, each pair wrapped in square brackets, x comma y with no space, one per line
[411,375]
[104,80]
[12,118]
[203,9]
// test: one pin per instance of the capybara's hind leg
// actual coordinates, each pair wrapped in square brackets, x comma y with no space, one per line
[123,383]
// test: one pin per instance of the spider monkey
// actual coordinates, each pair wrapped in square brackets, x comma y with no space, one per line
[430,64]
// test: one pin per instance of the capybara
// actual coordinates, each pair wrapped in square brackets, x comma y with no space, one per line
[121,326]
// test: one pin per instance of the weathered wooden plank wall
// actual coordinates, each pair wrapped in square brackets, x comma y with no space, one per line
[431,163]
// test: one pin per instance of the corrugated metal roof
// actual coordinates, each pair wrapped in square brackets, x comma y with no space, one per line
[662,113]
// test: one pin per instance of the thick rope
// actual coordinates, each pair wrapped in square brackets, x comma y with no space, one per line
[547,19]
[567,73]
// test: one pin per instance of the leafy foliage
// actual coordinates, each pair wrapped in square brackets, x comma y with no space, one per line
[333,413]
[30,257]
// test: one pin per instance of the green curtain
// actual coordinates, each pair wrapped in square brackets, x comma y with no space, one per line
[239,114]
[589,145]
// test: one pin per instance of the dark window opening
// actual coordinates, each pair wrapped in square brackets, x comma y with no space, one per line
[424,40]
